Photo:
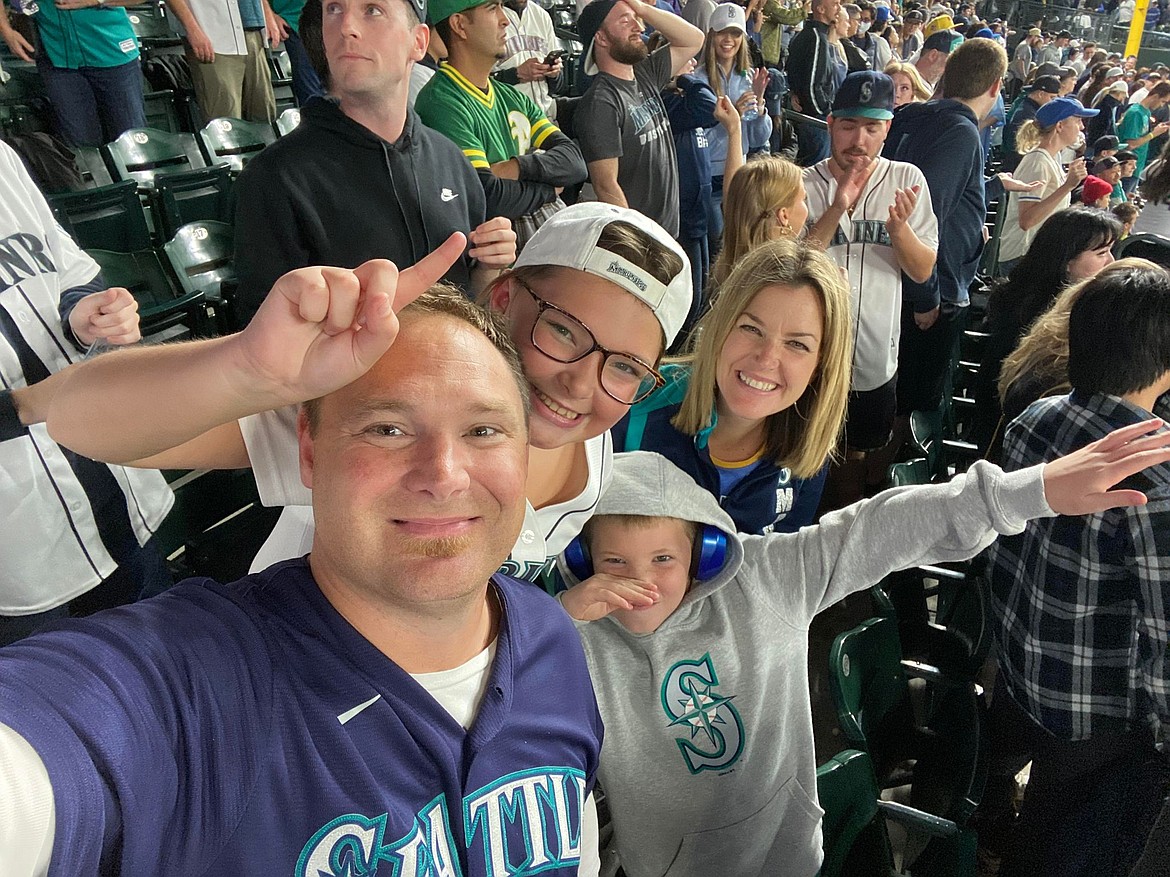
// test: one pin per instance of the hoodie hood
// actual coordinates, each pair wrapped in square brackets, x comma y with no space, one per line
[648,484]
[912,118]
[325,113]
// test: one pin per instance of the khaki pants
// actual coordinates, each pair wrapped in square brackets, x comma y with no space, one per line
[235,86]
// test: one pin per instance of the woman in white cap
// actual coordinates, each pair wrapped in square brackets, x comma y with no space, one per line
[592,303]
[725,66]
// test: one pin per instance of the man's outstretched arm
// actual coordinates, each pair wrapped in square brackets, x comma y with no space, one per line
[318,330]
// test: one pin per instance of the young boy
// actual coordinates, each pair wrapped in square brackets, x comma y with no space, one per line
[1095,192]
[700,666]
[1128,215]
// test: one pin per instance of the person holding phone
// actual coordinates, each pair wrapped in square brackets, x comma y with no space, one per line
[533,59]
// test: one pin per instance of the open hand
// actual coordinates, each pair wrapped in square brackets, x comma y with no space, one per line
[1079,483]
[602,593]
[760,82]
[19,46]
[904,203]
[322,328]
[850,185]
[1011,184]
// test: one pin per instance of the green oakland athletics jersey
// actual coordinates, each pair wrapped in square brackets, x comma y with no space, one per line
[490,126]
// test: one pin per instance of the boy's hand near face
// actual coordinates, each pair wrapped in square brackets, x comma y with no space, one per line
[602,593]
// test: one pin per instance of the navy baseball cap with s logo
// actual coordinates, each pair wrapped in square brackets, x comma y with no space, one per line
[865,94]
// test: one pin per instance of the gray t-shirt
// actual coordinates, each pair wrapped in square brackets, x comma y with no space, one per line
[626,120]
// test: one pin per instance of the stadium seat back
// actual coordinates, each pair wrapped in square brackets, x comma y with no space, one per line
[234,141]
[854,833]
[144,154]
[107,218]
[287,121]
[201,194]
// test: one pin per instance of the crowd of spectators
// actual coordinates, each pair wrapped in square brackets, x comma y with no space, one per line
[580,408]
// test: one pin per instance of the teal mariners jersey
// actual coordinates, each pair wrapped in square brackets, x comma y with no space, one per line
[91,37]
[490,126]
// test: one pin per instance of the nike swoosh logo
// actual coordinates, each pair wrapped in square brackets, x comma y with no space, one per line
[448,195]
[349,714]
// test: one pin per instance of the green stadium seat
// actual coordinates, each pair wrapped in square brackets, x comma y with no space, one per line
[940,756]
[106,218]
[234,141]
[143,154]
[164,311]
[180,198]
[200,254]
[93,168]
[287,121]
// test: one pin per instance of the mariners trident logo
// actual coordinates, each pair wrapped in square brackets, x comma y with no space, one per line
[713,737]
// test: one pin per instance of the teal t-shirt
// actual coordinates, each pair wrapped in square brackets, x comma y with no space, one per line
[290,11]
[89,37]
[1134,124]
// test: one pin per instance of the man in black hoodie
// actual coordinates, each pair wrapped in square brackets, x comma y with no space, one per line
[361,177]
[812,78]
[941,137]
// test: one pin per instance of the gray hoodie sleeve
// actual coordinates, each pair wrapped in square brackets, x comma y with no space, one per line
[800,574]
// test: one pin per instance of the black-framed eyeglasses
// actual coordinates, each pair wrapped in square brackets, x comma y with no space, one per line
[562,337]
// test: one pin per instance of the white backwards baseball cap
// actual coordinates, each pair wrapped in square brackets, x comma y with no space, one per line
[569,240]
[727,15]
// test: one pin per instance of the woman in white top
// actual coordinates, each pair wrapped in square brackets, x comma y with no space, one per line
[591,304]
[1058,125]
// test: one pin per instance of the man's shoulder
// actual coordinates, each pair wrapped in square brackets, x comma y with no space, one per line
[816,181]
[898,173]
[537,620]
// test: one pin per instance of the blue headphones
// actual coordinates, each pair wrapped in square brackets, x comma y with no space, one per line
[707,557]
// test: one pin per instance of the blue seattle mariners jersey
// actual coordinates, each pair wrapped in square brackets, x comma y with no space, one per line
[213,730]
[769,499]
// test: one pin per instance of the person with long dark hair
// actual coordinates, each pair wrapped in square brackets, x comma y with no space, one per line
[1071,245]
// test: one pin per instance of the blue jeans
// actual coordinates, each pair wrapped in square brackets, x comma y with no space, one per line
[700,257]
[305,82]
[715,218]
[93,105]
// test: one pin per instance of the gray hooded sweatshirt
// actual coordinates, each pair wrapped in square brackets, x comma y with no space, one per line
[708,761]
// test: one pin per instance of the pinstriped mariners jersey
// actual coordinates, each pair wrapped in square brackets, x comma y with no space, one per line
[62,516]
[249,729]
[490,126]
[862,247]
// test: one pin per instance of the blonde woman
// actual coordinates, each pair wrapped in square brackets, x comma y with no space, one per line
[909,87]
[1057,126]
[754,413]
[725,66]
[764,201]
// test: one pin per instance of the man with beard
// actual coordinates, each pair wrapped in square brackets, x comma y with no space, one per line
[621,122]
[521,157]
[874,218]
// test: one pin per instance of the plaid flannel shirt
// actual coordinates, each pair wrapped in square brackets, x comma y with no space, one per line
[1081,603]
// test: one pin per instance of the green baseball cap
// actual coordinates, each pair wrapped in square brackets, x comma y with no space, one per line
[441,10]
